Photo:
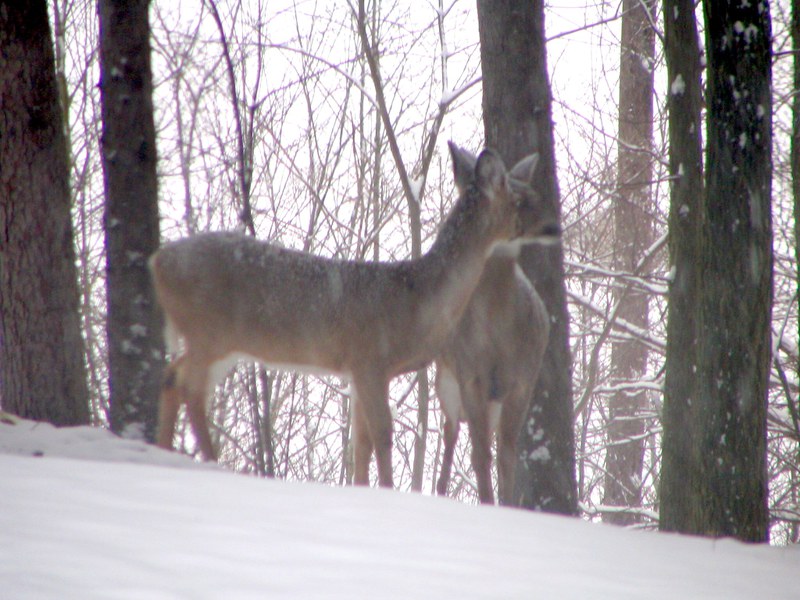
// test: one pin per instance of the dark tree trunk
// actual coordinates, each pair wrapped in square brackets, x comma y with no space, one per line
[517,120]
[715,477]
[633,234]
[135,343]
[42,373]
[736,296]
[687,194]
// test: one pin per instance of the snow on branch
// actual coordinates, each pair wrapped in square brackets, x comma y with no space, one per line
[619,323]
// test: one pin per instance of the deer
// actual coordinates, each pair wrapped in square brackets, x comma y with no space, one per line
[488,369]
[228,295]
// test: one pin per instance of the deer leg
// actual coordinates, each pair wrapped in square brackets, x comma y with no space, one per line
[362,444]
[372,392]
[451,427]
[450,400]
[476,407]
[482,465]
[194,385]
[515,408]
[169,403]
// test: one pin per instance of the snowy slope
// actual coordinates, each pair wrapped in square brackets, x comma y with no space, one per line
[79,520]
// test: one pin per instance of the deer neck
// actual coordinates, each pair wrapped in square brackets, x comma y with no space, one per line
[498,281]
[500,270]
[454,263]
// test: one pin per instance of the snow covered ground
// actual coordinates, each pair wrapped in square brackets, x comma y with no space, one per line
[86,515]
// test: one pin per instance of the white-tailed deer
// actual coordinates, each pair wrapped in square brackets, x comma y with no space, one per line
[488,369]
[227,294]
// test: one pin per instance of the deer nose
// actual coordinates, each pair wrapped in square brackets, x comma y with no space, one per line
[551,230]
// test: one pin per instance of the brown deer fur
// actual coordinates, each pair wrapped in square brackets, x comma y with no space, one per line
[227,294]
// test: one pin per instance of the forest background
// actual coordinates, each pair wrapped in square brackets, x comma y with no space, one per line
[278,95]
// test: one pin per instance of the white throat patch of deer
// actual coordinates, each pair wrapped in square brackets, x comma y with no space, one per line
[226,294]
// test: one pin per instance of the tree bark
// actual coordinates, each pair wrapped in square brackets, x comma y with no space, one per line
[633,235]
[714,476]
[42,373]
[687,192]
[736,296]
[135,343]
[517,121]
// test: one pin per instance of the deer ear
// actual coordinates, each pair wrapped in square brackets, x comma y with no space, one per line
[524,169]
[490,172]
[463,167]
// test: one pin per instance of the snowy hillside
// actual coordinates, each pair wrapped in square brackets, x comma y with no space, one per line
[79,520]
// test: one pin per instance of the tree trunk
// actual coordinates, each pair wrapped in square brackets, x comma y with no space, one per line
[517,121]
[633,234]
[42,374]
[736,296]
[714,478]
[135,345]
[687,192]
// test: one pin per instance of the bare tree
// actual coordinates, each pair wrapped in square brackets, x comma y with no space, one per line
[633,235]
[517,120]
[42,374]
[714,477]
[686,222]
[135,345]
[76,44]
[793,406]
